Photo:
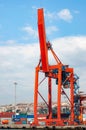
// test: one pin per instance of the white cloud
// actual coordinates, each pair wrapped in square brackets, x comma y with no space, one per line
[33,33]
[17,63]
[50,15]
[34,7]
[51,29]
[72,51]
[65,14]
[8,42]
[30,32]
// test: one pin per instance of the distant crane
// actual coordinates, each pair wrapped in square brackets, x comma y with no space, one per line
[64,76]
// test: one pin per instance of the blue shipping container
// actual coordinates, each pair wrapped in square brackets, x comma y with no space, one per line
[15,119]
[30,116]
[19,116]
[24,122]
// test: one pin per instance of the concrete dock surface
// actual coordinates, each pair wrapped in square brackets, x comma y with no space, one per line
[26,126]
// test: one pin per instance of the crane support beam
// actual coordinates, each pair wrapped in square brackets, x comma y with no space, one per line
[42,41]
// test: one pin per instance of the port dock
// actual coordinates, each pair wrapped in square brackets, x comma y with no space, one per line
[26,126]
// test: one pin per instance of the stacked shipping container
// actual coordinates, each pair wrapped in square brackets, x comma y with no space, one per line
[11,117]
[6,117]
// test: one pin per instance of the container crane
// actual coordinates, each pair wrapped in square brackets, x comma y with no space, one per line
[63,74]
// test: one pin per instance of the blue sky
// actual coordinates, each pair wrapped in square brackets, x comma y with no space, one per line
[19,49]
[16,15]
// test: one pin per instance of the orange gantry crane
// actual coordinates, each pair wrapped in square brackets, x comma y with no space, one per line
[64,76]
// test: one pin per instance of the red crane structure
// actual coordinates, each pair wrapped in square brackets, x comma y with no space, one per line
[64,76]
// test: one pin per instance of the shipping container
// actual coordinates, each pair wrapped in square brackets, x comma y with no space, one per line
[15,116]
[30,119]
[84,117]
[23,119]
[18,122]
[30,116]
[19,116]
[6,114]
[15,119]
[24,122]
[23,116]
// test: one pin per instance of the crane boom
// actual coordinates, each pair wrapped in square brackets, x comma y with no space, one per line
[42,41]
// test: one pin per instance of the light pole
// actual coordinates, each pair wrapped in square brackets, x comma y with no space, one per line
[15,83]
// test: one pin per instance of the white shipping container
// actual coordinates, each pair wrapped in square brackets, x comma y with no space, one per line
[84,117]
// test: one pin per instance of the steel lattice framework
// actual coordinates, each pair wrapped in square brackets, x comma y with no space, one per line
[63,74]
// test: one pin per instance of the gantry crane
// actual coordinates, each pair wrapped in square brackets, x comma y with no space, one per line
[63,74]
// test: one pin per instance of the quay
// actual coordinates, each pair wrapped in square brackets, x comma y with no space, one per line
[26,126]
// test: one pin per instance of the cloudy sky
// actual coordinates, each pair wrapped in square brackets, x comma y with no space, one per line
[19,44]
